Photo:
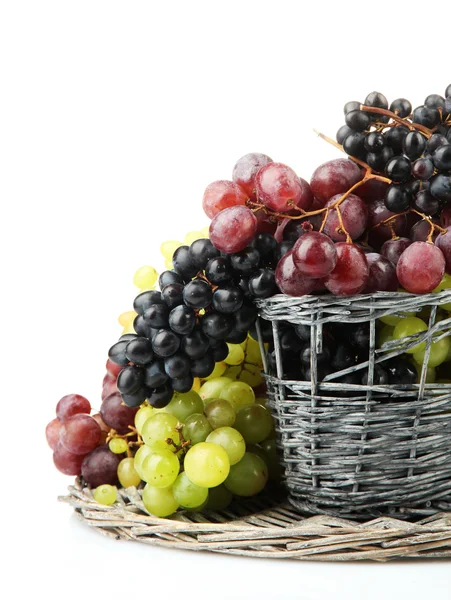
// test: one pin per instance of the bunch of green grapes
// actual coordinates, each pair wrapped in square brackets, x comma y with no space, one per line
[204,448]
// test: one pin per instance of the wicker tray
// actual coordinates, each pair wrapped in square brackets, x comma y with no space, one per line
[265,527]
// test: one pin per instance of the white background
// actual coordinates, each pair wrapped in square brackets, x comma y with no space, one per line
[114,118]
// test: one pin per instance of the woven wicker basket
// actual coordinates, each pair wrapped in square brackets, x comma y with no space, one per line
[361,451]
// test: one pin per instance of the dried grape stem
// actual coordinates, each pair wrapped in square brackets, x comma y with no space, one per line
[382,111]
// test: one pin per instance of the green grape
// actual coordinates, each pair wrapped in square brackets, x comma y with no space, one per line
[220,413]
[141,454]
[184,405]
[253,354]
[233,372]
[200,507]
[448,356]
[272,459]
[410,326]
[168,248]
[251,374]
[161,468]
[141,417]
[443,380]
[254,423]
[105,494]
[145,278]
[158,428]
[187,493]
[127,474]
[219,370]
[118,446]
[431,374]
[248,477]
[196,428]
[231,440]
[212,388]
[219,497]
[393,320]
[261,400]
[192,236]
[445,284]
[160,502]
[238,394]
[236,355]
[385,335]
[438,353]
[207,464]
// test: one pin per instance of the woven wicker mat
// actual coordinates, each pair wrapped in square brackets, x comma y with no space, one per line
[265,527]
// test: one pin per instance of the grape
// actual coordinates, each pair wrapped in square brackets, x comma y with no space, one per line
[228,299]
[177,366]
[158,428]
[421,230]
[219,497]
[382,274]
[231,440]
[103,426]
[156,316]
[80,434]
[196,428]
[197,294]
[165,343]
[289,280]
[377,213]
[203,367]
[235,355]
[182,320]
[248,477]
[354,214]
[213,388]
[220,195]
[351,272]
[218,371]
[410,326]
[238,394]
[169,277]
[441,187]
[438,353]
[116,415]
[118,446]
[111,368]
[66,462]
[232,229]
[207,464]
[183,263]
[52,433]
[401,107]
[155,375]
[184,405]
[219,270]
[278,187]
[392,249]
[160,468]
[262,284]
[314,255]
[100,467]
[127,474]
[246,169]
[420,268]
[141,454]
[168,248]
[385,335]
[443,241]
[130,380]
[141,417]
[220,413]
[145,278]
[401,372]
[196,344]
[105,494]
[70,405]
[217,325]
[159,502]
[188,494]
[145,300]
[254,423]
[334,177]
[183,384]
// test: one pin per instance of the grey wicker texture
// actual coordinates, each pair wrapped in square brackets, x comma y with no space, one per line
[263,527]
[362,451]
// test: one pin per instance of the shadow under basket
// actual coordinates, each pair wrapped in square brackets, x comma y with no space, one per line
[361,451]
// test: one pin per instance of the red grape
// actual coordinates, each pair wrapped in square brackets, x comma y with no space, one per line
[109,386]
[314,255]
[421,230]
[420,268]
[443,242]
[378,212]
[265,223]
[246,169]
[392,249]
[232,229]
[116,415]
[334,177]
[279,188]
[354,214]
[112,368]
[66,462]
[382,275]
[445,217]
[372,190]
[80,434]
[70,405]
[220,195]
[307,198]
[100,467]
[52,433]
[290,281]
[351,271]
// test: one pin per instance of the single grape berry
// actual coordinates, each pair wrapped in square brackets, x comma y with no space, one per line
[197,294]
[232,229]
[246,169]
[421,267]
[220,195]
[314,254]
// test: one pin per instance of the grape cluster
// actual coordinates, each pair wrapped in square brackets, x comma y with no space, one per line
[412,148]
[180,332]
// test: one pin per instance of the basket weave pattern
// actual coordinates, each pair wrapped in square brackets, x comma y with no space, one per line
[362,451]
[265,528]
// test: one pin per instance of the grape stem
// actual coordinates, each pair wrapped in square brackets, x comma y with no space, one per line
[184,444]
[388,113]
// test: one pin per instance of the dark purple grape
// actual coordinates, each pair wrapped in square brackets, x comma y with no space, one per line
[116,415]
[100,467]
[155,375]
[165,343]
[139,351]
[130,379]
[146,299]
[197,294]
